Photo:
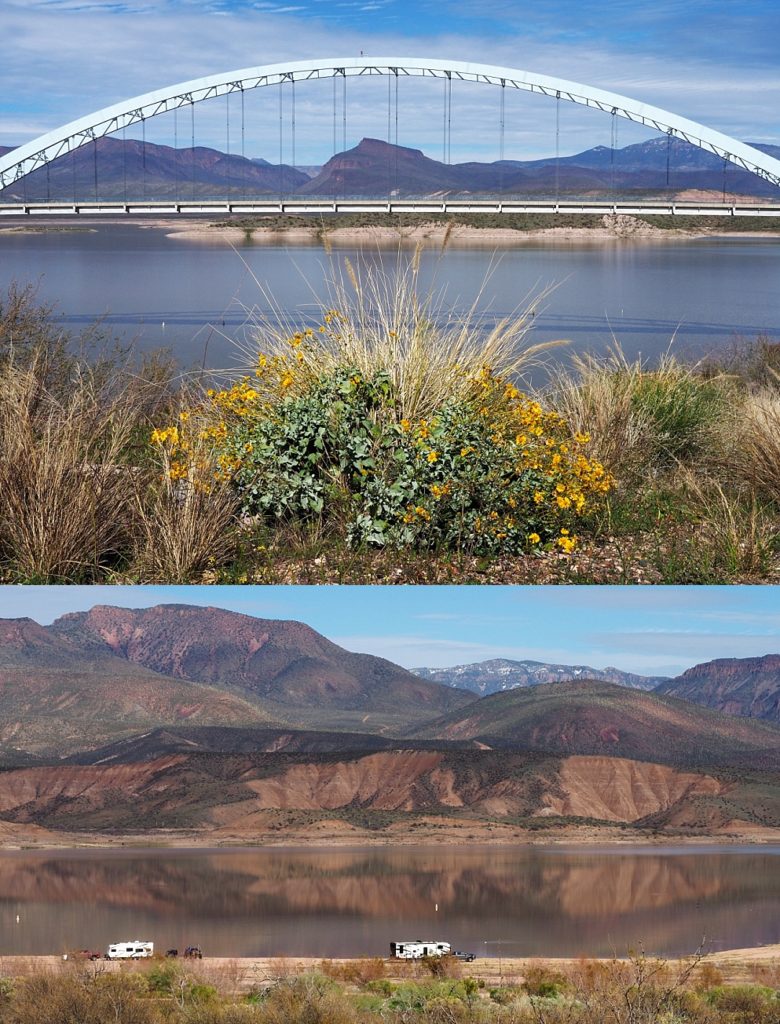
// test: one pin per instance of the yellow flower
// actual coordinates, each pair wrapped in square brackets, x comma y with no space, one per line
[567,544]
[432,456]
[406,425]
[534,538]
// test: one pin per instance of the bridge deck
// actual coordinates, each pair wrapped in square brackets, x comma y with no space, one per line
[392,206]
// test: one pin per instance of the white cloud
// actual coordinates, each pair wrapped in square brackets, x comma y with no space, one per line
[50,74]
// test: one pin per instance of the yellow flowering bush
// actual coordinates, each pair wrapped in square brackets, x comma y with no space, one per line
[492,471]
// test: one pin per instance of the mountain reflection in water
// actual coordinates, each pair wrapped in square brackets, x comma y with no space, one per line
[524,901]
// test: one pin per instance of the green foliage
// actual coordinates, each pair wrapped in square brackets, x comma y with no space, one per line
[491,472]
[678,409]
[163,978]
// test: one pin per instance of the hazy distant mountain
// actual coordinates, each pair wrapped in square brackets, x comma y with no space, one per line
[498,674]
[130,169]
[377,168]
[736,686]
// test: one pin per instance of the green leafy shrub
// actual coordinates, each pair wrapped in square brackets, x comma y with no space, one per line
[490,472]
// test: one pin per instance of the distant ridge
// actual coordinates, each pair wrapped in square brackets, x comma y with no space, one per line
[736,686]
[373,167]
[498,674]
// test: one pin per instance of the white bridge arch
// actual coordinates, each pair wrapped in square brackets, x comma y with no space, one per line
[46,148]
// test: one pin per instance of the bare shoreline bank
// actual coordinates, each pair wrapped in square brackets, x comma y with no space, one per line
[342,835]
[245,973]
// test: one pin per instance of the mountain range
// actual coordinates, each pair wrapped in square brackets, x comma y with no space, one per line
[116,169]
[497,674]
[199,719]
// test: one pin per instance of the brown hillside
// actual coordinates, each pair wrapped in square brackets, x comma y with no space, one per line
[237,793]
[284,662]
[55,699]
[599,718]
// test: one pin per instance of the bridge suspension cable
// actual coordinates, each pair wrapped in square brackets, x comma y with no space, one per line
[48,147]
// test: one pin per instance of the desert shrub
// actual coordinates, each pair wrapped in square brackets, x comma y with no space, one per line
[6,991]
[305,999]
[756,456]
[357,972]
[504,995]
[381,322]
[707,976]
[491,471]
[442,966]
[539,980]
[44,999]
[746,1004]
[218,1013]
[163,978]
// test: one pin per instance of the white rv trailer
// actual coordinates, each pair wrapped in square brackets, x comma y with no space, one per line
[134,950]
[416,949]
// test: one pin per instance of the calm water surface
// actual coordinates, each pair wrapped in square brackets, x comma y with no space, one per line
[702,293]
[498,901]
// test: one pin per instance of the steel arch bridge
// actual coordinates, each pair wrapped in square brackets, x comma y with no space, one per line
[48,147]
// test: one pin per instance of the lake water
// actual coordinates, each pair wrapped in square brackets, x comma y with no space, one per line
[523,901]
[193,296]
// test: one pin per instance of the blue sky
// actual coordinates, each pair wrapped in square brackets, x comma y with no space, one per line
[650,630]
[714,61]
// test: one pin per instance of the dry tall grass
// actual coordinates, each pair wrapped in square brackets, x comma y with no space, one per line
[639,416]
[756,457]
[380,322]
[65,496]
[187,523]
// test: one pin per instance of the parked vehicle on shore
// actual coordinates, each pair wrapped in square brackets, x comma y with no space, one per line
[416,949]
[465,957]
[136,949]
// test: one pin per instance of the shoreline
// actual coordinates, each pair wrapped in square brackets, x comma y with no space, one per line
[342,836]
[244,973]
[610,229]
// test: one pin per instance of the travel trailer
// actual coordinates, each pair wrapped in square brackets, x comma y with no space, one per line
[135,950]
[416,949]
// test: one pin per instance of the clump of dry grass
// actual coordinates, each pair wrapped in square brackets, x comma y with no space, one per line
[65,495]
[640,416]
[380,322]
[186,513]
[739,532]
[756,455]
